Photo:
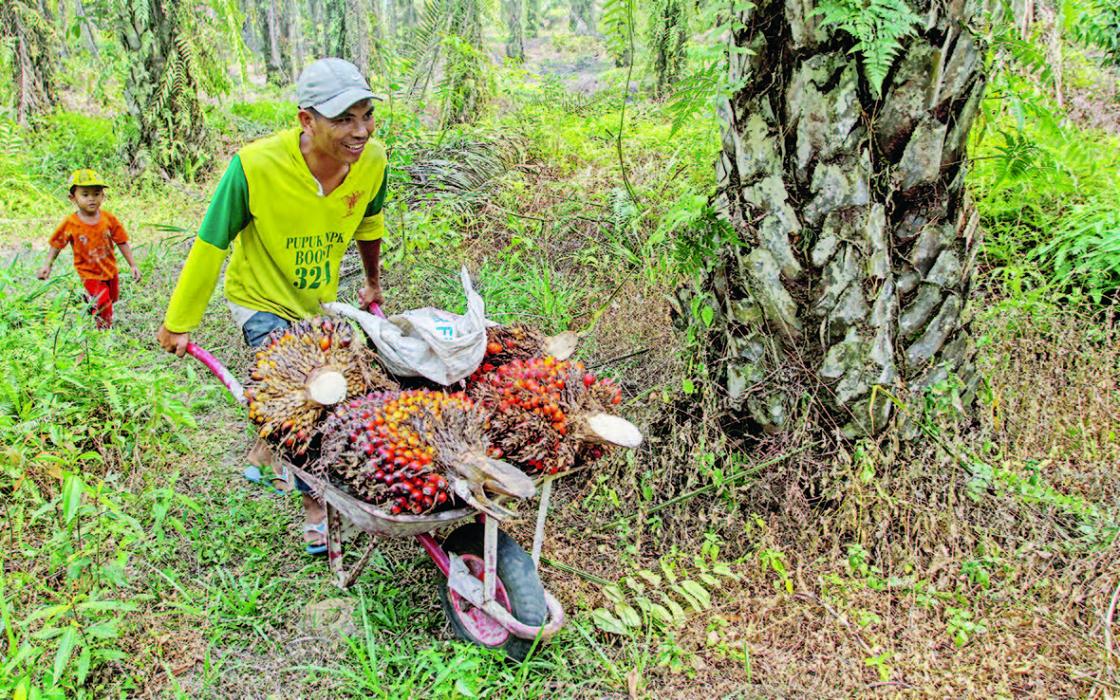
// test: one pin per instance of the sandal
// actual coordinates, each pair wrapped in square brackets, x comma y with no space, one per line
[253,473]
[317,549]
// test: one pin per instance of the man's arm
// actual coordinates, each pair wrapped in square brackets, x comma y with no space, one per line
[368,236]
[45,271]
[370,292]
[226,216]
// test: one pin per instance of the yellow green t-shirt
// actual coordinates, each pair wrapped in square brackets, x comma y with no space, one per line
[289,238]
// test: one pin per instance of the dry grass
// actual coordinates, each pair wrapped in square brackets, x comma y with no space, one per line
[1050,555]
[1055,397]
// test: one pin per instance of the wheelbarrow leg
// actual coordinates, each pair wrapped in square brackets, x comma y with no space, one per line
[334,545]
[344,577]
[490,559]
[542,513]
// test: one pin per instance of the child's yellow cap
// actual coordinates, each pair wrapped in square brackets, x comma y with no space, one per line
[84,177]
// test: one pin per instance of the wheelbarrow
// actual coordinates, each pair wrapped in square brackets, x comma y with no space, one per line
[492,596]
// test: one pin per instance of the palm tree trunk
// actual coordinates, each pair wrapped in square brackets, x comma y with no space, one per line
[848,274]
[162,91]
[33,65]
[512,11]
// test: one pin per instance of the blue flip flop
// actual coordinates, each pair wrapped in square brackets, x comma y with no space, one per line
[317,550]
[253,474]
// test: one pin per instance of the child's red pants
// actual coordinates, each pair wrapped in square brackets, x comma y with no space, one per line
[102,294]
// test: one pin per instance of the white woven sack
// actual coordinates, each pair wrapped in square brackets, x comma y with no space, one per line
[431,343]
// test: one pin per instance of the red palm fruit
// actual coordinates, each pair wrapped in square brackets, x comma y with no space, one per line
[303,370]
[436,444]
[542,411]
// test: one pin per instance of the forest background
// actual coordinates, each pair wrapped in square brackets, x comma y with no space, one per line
[566,152]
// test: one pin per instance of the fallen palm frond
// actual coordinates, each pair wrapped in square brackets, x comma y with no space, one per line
[462,174]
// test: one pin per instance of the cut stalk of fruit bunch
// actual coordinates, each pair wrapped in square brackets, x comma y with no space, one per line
[414,451]
[549,415]
[507,343]
[301,371]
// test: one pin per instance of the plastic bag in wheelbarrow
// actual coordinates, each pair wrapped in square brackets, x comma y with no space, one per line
[431,343]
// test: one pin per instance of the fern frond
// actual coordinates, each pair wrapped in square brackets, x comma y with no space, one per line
[878,26]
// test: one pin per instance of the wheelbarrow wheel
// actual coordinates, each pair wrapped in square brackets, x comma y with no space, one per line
[518,587]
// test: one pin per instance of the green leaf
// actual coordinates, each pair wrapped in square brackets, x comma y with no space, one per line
[708,579]
[110,655]
[107,606]
[103,630]
[687,386]
[699,592]
[48,612]
[628,615]
[723,569]
[47,633]
[614,593]
[679,615]
[707,315]
[661,614]
[607,622]
[65,650]
[72,489]
[82,669]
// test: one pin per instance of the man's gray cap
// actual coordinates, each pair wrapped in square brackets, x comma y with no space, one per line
[331,86]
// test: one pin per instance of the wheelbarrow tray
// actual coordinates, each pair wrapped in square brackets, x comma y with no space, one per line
[376,521]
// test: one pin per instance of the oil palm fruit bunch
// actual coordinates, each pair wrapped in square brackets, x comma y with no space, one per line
[507,343]
[302,370]
[548,415]
[416,452]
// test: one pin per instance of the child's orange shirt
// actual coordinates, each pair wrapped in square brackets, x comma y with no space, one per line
[93,244]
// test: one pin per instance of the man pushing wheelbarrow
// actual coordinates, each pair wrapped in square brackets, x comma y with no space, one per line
[393,463]
[293,201]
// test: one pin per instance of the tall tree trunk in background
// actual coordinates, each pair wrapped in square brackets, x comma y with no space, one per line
[36,48]
[320,27]
[347,24]
[270,41]
[87,28]
[161,92]
[295,37]
[532,17]
[855,236]
[512,11]
[581,16]
[668,31]
[63,24]
[375,21]
[407,17]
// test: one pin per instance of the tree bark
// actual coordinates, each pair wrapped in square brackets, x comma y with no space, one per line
[532,17]
[581,17]
[295,37]
[161,93]
[33,62]
[512,11]
[357,34]
[347,25]
[848,274]
[668,30]
[87,28]
[270,40]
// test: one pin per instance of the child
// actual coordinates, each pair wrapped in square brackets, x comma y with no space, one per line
[92,232]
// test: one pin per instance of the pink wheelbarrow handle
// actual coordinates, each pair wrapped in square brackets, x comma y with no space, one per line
[219,371]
